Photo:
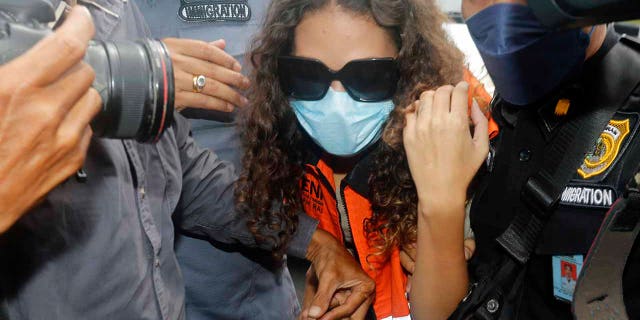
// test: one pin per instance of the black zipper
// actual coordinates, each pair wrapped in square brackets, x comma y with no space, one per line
[371,314]
[327,184]
[351,243]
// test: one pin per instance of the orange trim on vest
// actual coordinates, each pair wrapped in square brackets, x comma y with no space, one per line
[320,203]
[480,94]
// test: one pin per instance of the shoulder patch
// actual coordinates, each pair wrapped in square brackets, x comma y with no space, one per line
[607,149]
[214,10]
[588,196]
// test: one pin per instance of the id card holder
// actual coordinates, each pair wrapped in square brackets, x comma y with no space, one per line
[565,275]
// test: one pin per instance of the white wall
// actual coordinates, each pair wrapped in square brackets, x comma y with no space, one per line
[459,34]
[449,5]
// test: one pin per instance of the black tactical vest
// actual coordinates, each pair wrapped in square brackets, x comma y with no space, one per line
[596,185]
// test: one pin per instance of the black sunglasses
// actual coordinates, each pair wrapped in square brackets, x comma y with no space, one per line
[366,80]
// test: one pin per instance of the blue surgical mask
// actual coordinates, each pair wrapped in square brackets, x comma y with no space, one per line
[525,59]
[340,125]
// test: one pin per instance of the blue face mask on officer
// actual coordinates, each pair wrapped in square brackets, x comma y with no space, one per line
[341,125]
[516,49]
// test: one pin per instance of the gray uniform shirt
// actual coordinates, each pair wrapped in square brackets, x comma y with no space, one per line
[103,249]
[258,291]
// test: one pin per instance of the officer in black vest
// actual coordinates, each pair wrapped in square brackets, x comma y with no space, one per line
[543,77]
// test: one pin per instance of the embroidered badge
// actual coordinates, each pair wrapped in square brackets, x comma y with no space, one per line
[214,10]
[588,196]
[606,149]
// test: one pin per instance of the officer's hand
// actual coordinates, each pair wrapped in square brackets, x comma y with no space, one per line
[311,289]
[46,104]
[343,289]
[443,155]
[408,257]
[223,78]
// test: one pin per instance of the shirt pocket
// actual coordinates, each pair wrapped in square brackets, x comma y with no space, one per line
[570,231]
[168,155]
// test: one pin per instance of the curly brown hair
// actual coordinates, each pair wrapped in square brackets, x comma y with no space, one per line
[268,188]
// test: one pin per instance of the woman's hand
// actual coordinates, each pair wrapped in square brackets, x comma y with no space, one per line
[443,156]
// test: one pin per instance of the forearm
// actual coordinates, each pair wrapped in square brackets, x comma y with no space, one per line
[232,229]
[207,205]
[440,280]
[302,240]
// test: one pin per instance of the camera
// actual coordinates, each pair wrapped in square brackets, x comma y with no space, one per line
[134,79]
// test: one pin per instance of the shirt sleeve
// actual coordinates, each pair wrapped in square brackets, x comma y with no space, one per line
[206,207]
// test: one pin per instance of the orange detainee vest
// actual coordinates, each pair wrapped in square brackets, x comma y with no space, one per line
[319,200]
[318,192]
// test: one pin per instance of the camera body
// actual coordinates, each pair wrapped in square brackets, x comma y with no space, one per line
[134,79]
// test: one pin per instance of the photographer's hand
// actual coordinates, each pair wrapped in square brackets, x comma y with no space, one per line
[46,104]
[192,58]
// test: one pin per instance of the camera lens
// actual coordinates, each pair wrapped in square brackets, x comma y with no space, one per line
[135,81]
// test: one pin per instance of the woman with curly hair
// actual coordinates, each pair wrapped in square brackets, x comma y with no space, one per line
[334,81]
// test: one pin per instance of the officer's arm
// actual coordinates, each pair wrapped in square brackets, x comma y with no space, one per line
[206,207]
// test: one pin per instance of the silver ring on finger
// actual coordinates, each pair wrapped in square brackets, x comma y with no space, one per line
[199,81]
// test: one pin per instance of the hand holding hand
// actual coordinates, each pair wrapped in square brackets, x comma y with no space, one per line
[337,287]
